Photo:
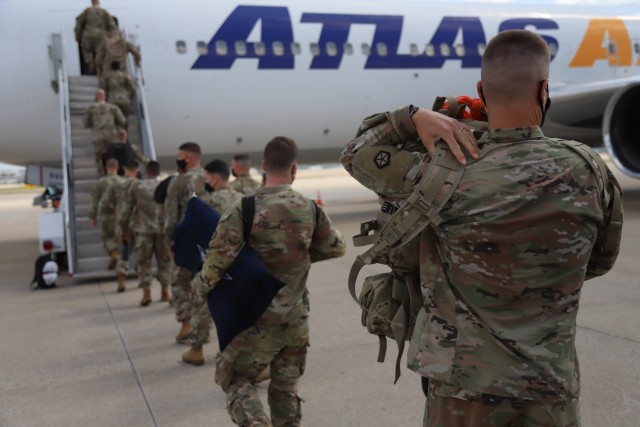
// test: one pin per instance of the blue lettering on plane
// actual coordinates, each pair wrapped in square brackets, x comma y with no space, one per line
[276,26]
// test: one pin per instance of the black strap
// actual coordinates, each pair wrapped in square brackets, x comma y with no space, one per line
[248,212]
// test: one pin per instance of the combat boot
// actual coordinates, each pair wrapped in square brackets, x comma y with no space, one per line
[184,331]
[113,261]
[146,297]
[164,296]
[194,356]
[121,279]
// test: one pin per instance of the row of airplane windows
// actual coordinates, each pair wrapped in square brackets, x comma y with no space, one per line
[239,48]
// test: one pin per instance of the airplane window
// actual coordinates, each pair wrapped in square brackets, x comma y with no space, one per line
[366,49]
[260,48]
[381,49]
[445,49]
[295,48]
[181,47]
[278,48]
[636,47]
[481,48]
[413,48]
[348,49]
[612,48]
[221,48]
[553,49]
[315,49]
[202,48]
[241,48]
[460,50]
[430,50]
[332,49]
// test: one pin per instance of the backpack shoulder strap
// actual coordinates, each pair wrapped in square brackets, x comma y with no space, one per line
[248,213]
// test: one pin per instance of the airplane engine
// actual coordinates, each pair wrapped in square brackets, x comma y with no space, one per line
[621,129]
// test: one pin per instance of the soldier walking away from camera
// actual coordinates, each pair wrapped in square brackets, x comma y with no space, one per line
[289,232]
[92,27]
[103,118]
[240,168]
[114,49]
[531,219]
[125,152]
[180,191]
[107,213]
[120,88]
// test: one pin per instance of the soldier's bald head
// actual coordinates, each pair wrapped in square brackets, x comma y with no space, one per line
[513,65]
[100,95]
[95,2]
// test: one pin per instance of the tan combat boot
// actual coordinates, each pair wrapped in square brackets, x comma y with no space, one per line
[146,297]
[194,356]
[113,261]
[164,296]
[184,332]
[121,279]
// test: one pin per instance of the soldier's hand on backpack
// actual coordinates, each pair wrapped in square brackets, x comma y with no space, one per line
[433,126]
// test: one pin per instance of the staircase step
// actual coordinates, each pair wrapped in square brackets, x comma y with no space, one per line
[85,173]
[88,236]
[95,266]
[92,250]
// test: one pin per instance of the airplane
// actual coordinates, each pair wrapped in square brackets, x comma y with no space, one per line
[232,75]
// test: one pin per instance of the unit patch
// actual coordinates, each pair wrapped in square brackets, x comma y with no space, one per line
[382,159]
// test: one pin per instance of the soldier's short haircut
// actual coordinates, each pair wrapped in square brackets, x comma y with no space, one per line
[218,167]
[112,164]
[280,153]
[131,165]
[191,147]
[153,168]
[115,65]
[244,157]
[514,62]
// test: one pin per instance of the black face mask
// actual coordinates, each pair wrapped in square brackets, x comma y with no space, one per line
[547,104]
[182,164]
[234,173]
[208,187]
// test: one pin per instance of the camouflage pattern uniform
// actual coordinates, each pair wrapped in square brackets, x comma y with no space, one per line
[141,212]
[92,27]
[201,321]
[501,277]
[114,48]
[245,185]
[283,236]
[103,118]
[120,90]
[116,197]
[180,191]
[107,212]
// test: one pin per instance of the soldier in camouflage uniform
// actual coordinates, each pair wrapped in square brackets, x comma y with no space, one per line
[116,198]
[107,215]
[140,211]
[92,27]
[120,88]
[124,151]
[114,49]
[221,197]
[502,274]
[180,191]
[240,167]
[103,118]
[289,233]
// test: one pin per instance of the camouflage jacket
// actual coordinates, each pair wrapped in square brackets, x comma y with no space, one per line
[285,237]
[98,190]
[222,199]
[120,88]
[245,185]
[501,275]
[107,202]
[115,49]
[103,117]
[93,22]
[180,191]
[140,210]
[116,198]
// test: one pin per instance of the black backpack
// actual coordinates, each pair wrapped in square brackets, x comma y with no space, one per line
[38,281]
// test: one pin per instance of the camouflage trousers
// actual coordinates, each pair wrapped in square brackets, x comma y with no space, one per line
[108,233]
[487,410]
[284,349]
[147,246]
[181,293]
[101,141]
[126,250]
[201,320]
[89,46]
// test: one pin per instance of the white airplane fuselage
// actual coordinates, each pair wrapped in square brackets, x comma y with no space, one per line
[231,76]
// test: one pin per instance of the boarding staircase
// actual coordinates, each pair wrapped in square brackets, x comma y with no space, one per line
[86,255]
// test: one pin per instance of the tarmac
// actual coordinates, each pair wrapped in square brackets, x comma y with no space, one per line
[82,354]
